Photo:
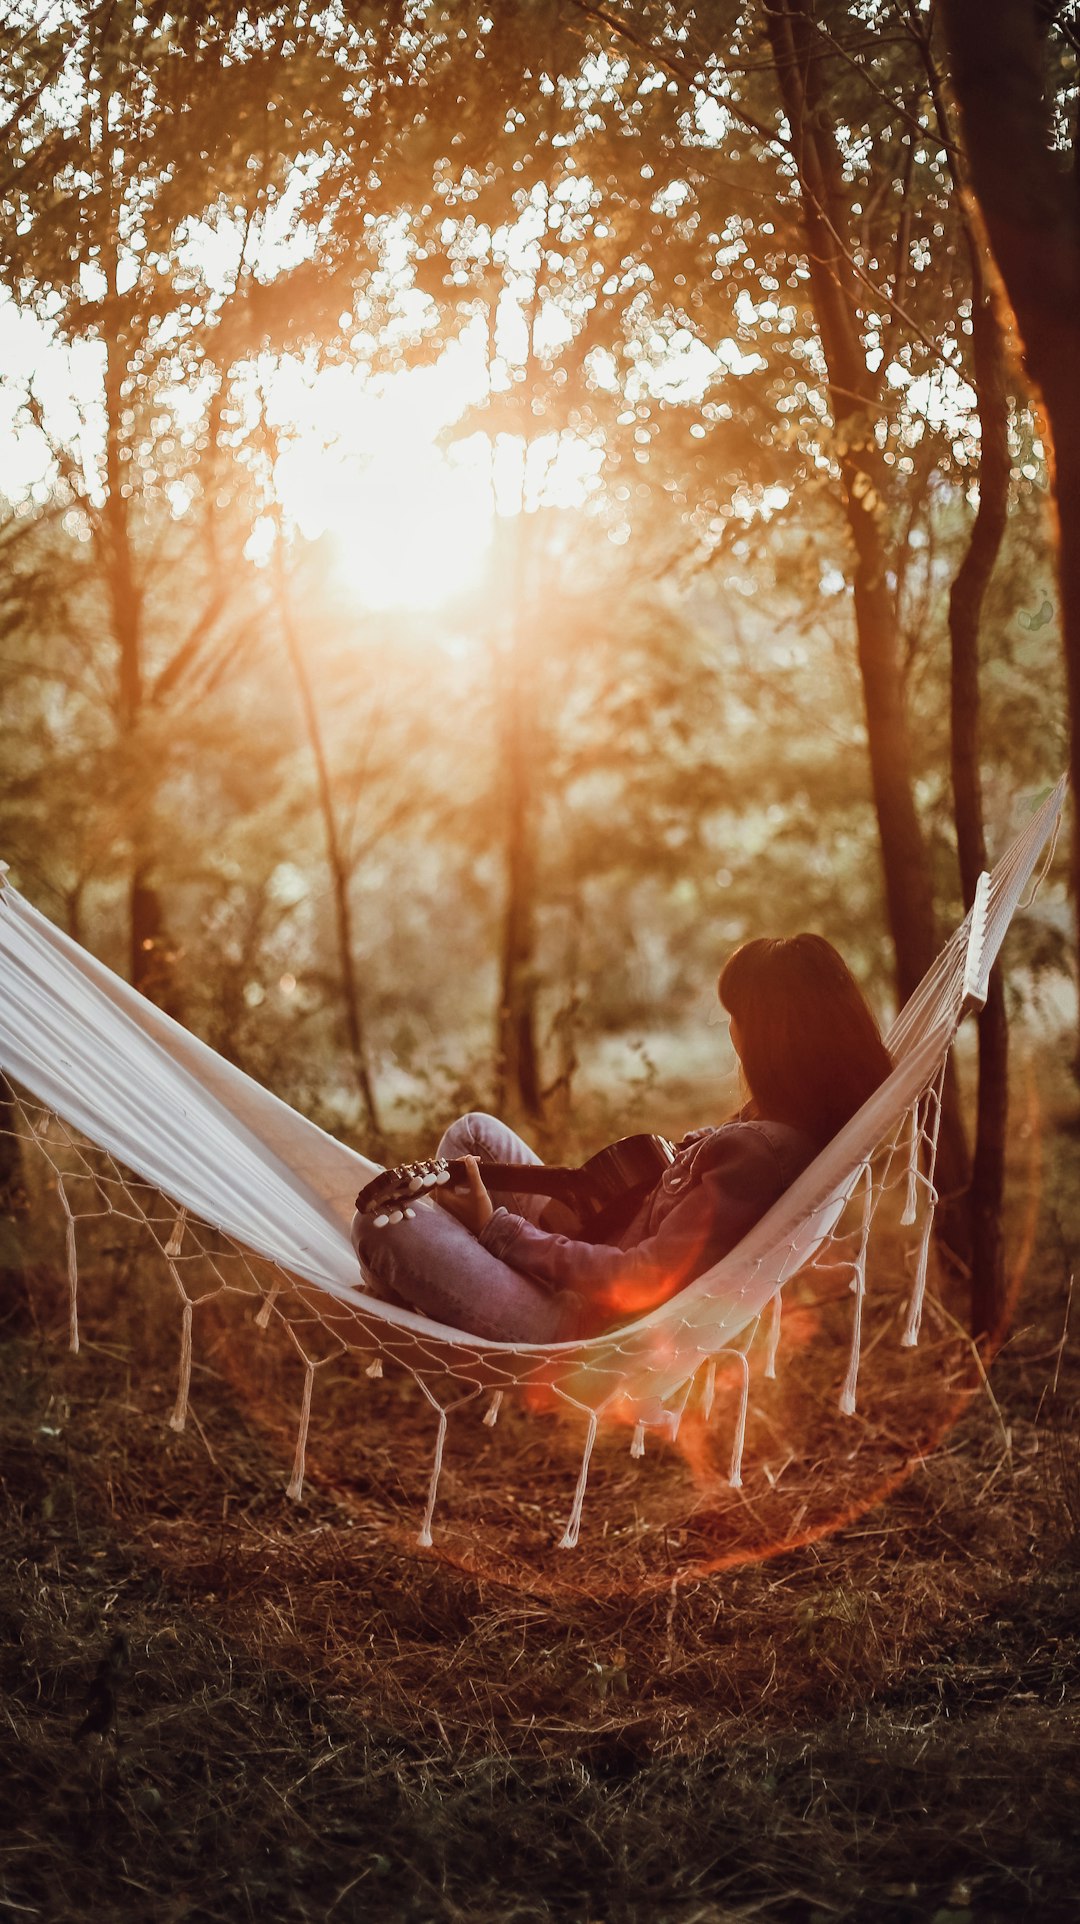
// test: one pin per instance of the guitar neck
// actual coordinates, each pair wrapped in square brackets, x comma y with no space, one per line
[526,1178]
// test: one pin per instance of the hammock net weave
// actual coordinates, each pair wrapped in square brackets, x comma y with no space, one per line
[140,1121]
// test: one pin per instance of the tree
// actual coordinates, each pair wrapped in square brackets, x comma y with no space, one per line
[156,214]
[1025,180]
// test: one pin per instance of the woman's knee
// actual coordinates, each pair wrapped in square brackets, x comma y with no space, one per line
[473,1132]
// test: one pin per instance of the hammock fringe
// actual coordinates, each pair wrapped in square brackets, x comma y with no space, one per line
[934,1099]
[424,1537]
[772,1341]
[568,1540]
[735,1470]
[295,1489]
[178,1419]
[72,1254]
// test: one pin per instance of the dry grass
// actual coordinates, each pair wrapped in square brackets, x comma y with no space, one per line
[846,1692]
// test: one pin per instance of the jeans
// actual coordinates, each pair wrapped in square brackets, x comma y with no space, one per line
[433,1264]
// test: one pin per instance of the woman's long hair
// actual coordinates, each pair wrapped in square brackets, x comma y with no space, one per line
[811,1049]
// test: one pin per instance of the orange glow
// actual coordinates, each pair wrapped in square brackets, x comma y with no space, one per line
[411,520]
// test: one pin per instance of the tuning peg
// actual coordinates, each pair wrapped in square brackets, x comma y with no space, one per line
[411,1213]
[443,1176]
[416,1183]
[394,1216]
[381,1221]
[429,1181]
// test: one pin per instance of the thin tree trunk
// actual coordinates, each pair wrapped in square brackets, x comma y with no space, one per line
[965,617]
[145,968]
[988,1306]
[518,1091]
[1029,203]
[339,875]
[149,961]
[802,78]
[517,1071]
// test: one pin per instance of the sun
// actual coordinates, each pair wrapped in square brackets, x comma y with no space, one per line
[411,522]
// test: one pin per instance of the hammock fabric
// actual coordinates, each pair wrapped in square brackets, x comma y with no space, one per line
[226,1152]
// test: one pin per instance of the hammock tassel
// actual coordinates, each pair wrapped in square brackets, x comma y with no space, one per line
[735,1472]
[176,1239]
[491,1414]
[72,1270]
[910,1337]
[708,1395]
[263,1315]
[637,1441]
[568,1540]
[424,1538]
[911,1200]
[179,1416]
[772,1341]
[858,1285]
[296,1482]
[374,1368]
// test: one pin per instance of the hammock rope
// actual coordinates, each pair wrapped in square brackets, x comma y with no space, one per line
[240,1193]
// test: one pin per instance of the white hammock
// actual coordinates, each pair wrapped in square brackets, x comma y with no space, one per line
[97,1054]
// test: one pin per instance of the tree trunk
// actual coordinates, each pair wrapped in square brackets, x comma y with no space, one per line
[1029,203]
[988,1305]
[339,875]
[517,1070]
[825,214]
[149,959]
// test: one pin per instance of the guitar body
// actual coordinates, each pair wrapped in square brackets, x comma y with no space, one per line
[609,1188]
[593,1203]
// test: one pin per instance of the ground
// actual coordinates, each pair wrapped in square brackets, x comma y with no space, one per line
[847,1690]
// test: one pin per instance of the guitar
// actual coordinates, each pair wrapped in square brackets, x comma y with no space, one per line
[591,1203]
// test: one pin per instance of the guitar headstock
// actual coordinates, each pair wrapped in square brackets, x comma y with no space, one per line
[387,1198]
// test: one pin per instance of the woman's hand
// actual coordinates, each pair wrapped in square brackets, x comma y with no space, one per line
[473,1207]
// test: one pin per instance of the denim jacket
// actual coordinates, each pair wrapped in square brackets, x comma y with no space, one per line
[720,1184]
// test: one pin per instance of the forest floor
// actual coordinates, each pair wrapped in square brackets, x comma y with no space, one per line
[847,1690]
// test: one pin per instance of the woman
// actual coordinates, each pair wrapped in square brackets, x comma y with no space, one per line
[810,1055]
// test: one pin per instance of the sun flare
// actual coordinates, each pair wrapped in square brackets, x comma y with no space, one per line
[411,521]
[408,529]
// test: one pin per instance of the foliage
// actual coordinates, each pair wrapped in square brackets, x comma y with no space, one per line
[605,197]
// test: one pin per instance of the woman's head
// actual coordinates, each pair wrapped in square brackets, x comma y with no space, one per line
[810,1048]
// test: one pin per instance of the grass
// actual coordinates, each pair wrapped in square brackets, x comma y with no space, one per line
[847,1691]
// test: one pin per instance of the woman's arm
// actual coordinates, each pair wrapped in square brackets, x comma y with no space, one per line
[740,1180]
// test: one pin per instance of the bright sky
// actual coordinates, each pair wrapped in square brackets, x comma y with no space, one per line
[366,462]
[411,520]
